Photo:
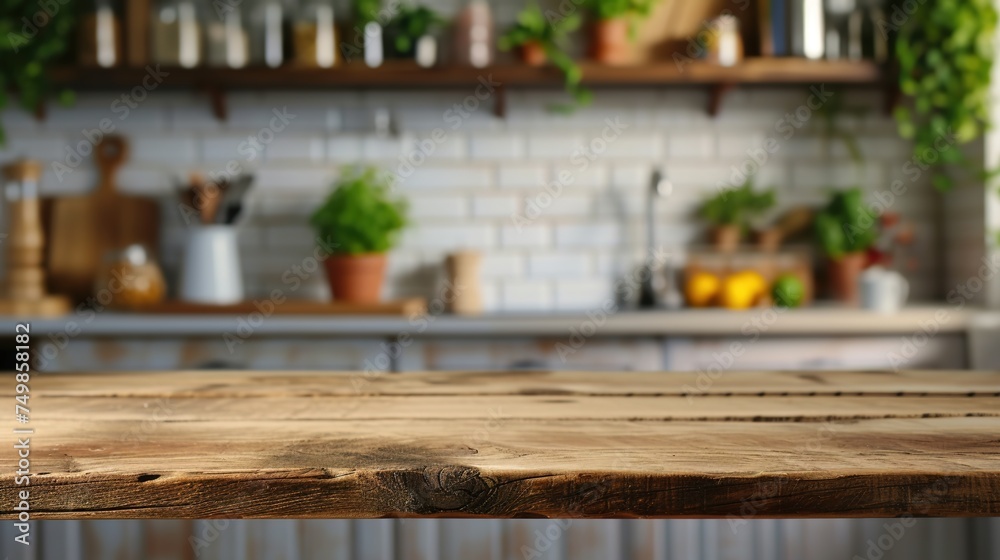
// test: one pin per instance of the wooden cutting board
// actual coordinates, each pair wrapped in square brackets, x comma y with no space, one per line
[82,229]
[401,307]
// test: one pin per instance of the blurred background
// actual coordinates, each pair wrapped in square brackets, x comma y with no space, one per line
[470,185]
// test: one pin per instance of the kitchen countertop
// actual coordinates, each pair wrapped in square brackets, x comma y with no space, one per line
[509,445]
[815,321]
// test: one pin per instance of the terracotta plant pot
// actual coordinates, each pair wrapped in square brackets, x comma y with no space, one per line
[609,41]
[533,54]
[843,275]
[726,238]
[356,278]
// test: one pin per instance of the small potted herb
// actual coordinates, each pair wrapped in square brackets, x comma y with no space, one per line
[846,230]
[540,40]
[362,221]
[611,33]
[411,25]
[730,210]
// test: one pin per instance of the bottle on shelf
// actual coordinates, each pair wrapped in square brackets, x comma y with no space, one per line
[315,35]
[227,37]
[100,36]
[269,32]
[175,31]
[475,35]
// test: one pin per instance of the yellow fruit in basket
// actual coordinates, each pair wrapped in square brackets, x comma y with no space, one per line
[742,290]
[701,289]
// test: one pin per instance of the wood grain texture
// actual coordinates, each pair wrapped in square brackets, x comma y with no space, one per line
[203,445]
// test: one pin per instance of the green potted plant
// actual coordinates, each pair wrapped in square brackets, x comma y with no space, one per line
[28,49]
[730,210]
[613,28]
[846,230]
[540,40]
[945,53]
[408,26]
[362,221]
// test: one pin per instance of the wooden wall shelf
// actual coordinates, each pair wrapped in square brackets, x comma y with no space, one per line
[400,75]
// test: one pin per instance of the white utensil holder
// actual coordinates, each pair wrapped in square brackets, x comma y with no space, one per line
[211,271]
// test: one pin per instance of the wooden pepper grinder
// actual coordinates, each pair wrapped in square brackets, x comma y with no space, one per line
[24,288]
[462,269]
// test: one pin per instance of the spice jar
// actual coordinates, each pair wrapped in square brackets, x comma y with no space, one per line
[474,35]
[269,33]
[227,38]
[100,36]
[132,279]
[176,33]
[315,35]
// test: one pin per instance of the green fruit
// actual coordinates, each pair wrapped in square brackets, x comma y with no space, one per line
[788,291]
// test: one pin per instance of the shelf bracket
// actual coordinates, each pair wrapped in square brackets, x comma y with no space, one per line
[715,95]
[500,102]
[217,97]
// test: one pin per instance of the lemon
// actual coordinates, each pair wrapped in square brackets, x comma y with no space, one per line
[742,290]
[701,289]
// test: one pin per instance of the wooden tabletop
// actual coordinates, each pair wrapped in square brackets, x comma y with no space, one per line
[514,444]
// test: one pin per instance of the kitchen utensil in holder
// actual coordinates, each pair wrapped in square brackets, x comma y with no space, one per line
[211,270]
[24,285]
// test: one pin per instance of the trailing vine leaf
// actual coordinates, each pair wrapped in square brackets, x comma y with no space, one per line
[33,35]
[945,54]
[409,25]
[551,35]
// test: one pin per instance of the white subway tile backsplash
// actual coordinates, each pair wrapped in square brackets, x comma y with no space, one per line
[588,235]
[454,206]
[491,146]
[165,149]
[502,265]
[556,208]
[559,265]
[294,178]
[526,295]
[297,148]
[377,148]
[693,145]
[580,295]
[450,237]
[344,148]
[436,176]
[494,206]
[526,236]
[521,175]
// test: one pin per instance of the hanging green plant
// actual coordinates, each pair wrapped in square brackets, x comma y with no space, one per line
[534,30]
[945,53]
[32,36]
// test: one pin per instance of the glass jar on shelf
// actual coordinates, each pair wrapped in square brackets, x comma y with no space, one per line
[175,31]
[100,35]
[475,35]
[270,35]
[228,42]
[315,35]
